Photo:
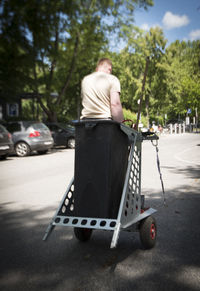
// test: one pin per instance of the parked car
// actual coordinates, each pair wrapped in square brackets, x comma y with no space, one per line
[30,136]
[6,143]
[62,135]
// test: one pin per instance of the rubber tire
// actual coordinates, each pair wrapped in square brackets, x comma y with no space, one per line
[71,143]
[24,151]
[148,232]
[42,152]
[3,157]
[82,234]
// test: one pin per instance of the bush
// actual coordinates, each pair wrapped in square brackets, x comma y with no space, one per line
[130,115]
[158,119]
[133,116]
[144,120]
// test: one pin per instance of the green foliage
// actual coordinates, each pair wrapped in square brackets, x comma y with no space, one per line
[145,121]
[172,83]
[128,115]
[31,110]
[130,67]
[182,74]
[158,119]
[49,46]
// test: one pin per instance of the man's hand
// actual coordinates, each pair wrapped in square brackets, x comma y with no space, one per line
[116,107]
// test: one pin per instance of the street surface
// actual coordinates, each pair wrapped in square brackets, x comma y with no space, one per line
[30,191]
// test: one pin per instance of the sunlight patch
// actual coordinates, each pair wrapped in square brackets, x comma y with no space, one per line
[12,278]
[191,275]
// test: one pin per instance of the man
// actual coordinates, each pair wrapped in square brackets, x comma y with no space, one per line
[101,93]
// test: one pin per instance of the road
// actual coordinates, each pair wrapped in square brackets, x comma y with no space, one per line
[30,191]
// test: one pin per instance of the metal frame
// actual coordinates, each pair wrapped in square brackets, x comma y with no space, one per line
[131,206]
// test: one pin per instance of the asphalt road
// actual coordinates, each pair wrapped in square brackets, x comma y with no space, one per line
[30,191]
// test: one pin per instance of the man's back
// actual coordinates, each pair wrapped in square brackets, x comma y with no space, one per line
[96,89]
[100,93]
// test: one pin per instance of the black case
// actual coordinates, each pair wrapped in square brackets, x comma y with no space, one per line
[101,157]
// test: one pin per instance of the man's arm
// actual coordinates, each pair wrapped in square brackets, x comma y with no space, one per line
[116,107]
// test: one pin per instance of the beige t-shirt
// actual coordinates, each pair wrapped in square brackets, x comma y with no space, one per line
[95,91]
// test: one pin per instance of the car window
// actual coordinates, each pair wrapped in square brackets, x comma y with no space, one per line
[12,127]
[39,126]
[70,127]
[54,127]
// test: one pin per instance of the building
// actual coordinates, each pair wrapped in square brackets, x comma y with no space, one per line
[11,108]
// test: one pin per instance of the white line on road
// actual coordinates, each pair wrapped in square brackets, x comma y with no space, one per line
[177,157]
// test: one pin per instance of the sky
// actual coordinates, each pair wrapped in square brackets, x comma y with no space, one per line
[179,19]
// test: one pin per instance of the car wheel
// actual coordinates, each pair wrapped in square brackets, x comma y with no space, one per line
[22,149]
[71,143]
[42,152]
[148,232]
[3,157]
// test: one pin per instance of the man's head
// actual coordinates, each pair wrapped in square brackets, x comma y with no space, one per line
[104,65]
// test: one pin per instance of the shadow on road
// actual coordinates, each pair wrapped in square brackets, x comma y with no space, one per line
[188,171]
[63,263]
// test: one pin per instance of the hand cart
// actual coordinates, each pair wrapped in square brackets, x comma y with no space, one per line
[105,193]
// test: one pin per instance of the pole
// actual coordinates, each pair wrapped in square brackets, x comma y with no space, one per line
[141,97]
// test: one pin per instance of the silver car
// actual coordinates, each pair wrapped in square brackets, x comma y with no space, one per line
[30,136]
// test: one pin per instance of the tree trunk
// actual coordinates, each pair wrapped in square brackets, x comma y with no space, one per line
[147,108]
[141,97]
[72,66]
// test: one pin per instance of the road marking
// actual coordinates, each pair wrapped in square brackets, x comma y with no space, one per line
[177,157]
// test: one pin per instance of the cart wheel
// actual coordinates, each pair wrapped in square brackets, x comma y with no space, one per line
[82,234]
[148,232]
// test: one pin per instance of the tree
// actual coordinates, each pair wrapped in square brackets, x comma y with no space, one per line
[59,41]
[140,45]
[183,73]
[15,54]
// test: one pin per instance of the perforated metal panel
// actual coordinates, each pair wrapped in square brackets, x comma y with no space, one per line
[67,206]
[64,215]
[132,187]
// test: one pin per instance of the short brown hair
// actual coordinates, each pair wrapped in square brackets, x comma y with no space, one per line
[104,60]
